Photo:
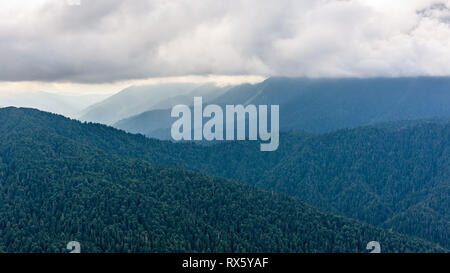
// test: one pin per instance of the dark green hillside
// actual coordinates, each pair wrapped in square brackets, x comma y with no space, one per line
[398,179]
[55,189]
[393,176]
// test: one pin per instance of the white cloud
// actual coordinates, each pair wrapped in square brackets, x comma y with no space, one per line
[112,40]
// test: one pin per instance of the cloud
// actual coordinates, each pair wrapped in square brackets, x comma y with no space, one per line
[111,40]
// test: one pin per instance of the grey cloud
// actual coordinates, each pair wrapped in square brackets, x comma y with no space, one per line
[111,40]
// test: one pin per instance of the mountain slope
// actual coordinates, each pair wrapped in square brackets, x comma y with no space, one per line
[397,179]
[385,175]
[55,189]
[156,122]
[324,105]
[161,118]
[137,99]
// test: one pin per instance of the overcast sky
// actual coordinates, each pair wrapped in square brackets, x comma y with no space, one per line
[106,41]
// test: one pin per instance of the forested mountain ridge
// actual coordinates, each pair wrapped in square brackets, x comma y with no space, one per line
[398,179]
[324,105]
[55,188]
[392,176]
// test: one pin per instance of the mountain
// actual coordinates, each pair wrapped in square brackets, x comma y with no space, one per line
[377,174]
[157,121]
[395,176]
[324,105]
[348,103]
[68,105]
[157,124]
[137,99]
[397,179]
[207,91]
[57,186]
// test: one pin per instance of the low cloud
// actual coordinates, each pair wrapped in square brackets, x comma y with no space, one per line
[111,40]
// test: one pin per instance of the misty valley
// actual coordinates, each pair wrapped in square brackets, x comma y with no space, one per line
[365,174]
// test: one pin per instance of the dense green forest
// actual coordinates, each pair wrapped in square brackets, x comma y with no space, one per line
[64,180]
